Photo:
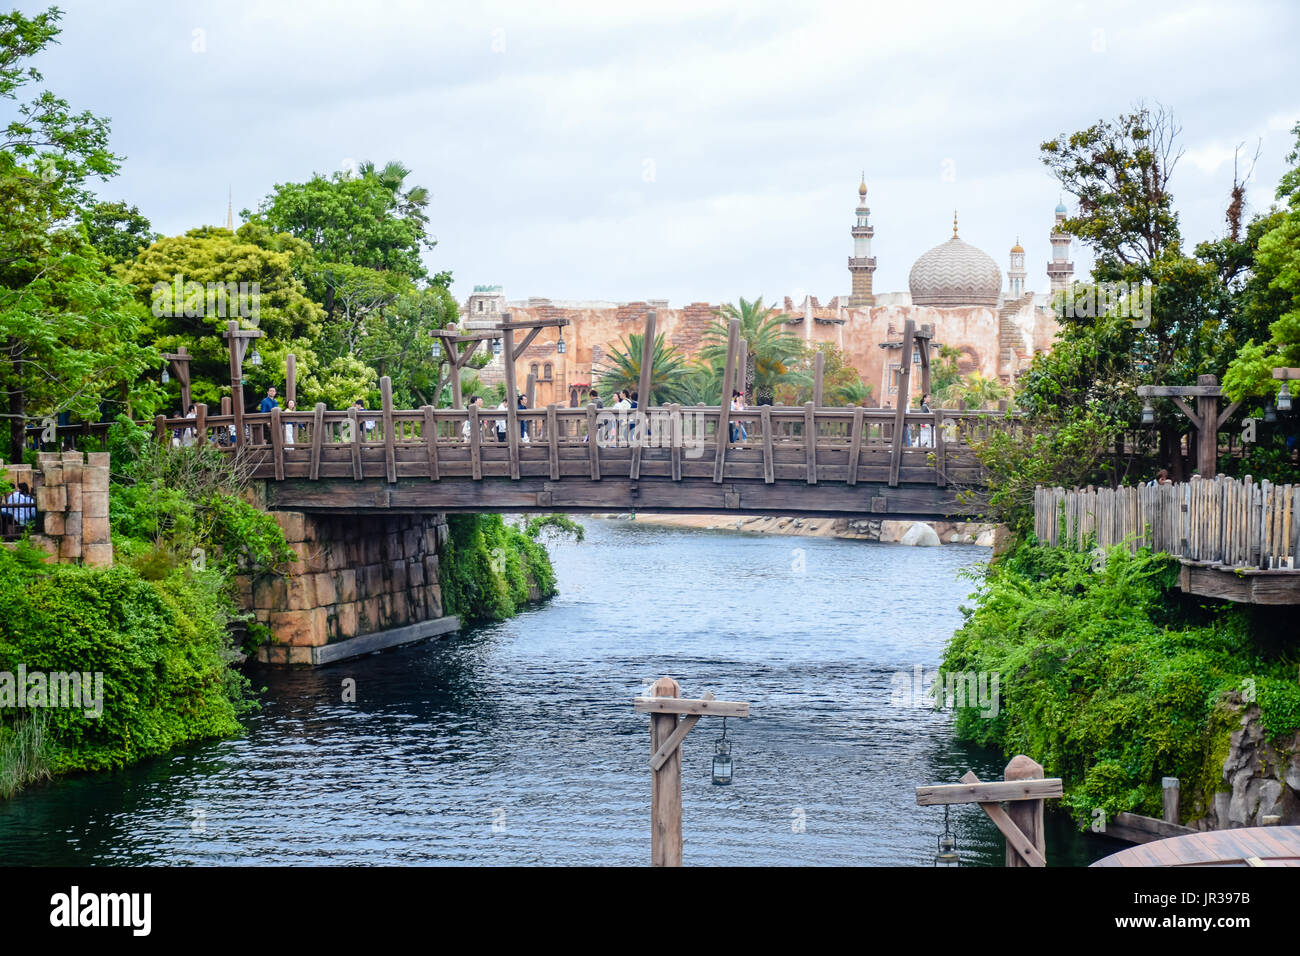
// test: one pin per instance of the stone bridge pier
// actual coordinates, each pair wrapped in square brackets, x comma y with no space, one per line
[361,583]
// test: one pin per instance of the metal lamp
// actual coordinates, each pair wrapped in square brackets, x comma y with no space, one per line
[722,765]
[437,348]
[255,357]
[560,346]
[1148,414]
[496,346]
[1284,398]
[166,377]
[947,854]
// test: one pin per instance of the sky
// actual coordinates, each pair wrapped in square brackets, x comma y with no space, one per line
[689,151]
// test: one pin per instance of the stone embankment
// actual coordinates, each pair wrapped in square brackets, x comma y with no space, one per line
[862,529]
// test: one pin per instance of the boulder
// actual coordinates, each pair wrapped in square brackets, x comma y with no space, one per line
[920,535]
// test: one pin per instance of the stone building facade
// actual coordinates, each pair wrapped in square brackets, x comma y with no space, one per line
[955,288]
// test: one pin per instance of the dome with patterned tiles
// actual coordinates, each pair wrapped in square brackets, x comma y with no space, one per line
[955,273]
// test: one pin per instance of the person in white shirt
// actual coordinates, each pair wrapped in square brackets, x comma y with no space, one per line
[477,402]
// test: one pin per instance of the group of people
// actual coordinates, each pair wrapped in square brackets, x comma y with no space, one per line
[925,433]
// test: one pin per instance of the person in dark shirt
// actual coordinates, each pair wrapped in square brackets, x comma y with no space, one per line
[269,401]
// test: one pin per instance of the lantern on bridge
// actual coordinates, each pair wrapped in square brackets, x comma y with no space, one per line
[1284,398]
[947,854]
[437,348]
[1148,414]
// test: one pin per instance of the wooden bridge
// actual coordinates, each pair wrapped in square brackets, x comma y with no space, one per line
[686,459]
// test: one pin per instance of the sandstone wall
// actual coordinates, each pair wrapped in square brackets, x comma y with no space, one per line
[71,492]
[354,576]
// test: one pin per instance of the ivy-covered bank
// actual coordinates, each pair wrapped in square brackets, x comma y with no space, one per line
[152,635]
[1111,678]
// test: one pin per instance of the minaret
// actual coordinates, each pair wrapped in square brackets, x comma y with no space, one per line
[862,264]
[1016,274]
[1060,271]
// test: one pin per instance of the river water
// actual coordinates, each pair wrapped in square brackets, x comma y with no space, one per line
[516,743]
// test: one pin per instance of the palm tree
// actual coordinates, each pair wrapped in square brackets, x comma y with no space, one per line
[976,390]
[621,369]
[409,204]
[772,349]
[701,385]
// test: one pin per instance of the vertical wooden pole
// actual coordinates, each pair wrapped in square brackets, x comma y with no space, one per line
[593,442]
[291,379]
[201,423]
[430,435]
[769,455]
[924,346]
[724,406]
[810,442]
[236,382]
[553,441]
[453,350]
[1169,790]
[317,438]
[904,399]
[475,440]
[855,443]
[390,440]
[640,422]
[1026,814]
[819,372]
[277,444]
[358,471]
[665,784]
[512,413]
[1207,429]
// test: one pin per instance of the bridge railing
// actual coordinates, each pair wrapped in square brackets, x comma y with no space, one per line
[770,443]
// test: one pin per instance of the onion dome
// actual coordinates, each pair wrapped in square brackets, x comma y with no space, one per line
[955,273]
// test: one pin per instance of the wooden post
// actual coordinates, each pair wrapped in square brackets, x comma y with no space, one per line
[317,438]
[810,442]
[1026,814]
[640,422]
[454,369]
[666,784]
[159,429]
[291,379]
[277,443]
[1169,790]
[924,346]
[236,384]
[530,390]
[855,443]
[819,371]
[355,427]
[430,434]
[553,441]
[475,440]
[512,413]
[904,400]
[675,439]
[724,406]
[769,456]
[201,423]
[593,442]
[1207,429]
[390,446]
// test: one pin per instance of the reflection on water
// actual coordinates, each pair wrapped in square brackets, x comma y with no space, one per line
[517,743]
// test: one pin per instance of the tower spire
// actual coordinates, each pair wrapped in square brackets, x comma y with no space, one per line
[862,265]
[230,208]
[954,223]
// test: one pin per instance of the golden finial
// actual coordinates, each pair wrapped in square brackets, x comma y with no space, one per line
[954,223]
[862,189]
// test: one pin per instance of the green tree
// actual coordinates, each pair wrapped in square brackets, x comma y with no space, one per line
[772,349]
[119,232]
[622,370]
[841,383]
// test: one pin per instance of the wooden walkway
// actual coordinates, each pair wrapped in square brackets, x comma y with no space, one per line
[764,460]
[1251,846]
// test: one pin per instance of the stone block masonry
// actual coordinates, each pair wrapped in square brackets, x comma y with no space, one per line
[360,583]
[71,498]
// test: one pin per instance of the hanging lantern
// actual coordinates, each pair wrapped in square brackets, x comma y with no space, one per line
[1270,413]
[166,377]
[1148,414]
[559,346]
[437,348]
[496,346]
[1284,398]
[255,358]
[722,758]
[947,854]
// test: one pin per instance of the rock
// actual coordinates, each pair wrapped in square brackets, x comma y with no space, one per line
[920,535]
[985,539]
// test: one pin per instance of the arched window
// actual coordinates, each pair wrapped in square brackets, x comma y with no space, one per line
[532,370]
[546,371]
[480,305]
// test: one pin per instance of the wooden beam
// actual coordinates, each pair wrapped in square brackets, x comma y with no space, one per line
[703,707]
[430,435]
[522,347]
[593,443]
[317,438]
[666,782]
[769,458]
[1018,842]
[277,444]
[512,413]
[904,399]
[1286,374]
[994,792]
[291,379]
[810,442]
[553,440]
[724,406]
[1176,391]
[1026,815]
[475,444]
[673,742]
[532,323]
[355,428]
[855,443]
[390,440]
[1226,414]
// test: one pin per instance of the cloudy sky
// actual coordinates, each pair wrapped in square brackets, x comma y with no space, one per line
[694,151]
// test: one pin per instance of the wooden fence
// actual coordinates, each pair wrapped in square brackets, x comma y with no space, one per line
[1219,521]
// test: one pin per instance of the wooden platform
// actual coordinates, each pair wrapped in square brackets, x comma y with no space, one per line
[1251,846]
[1242,585]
